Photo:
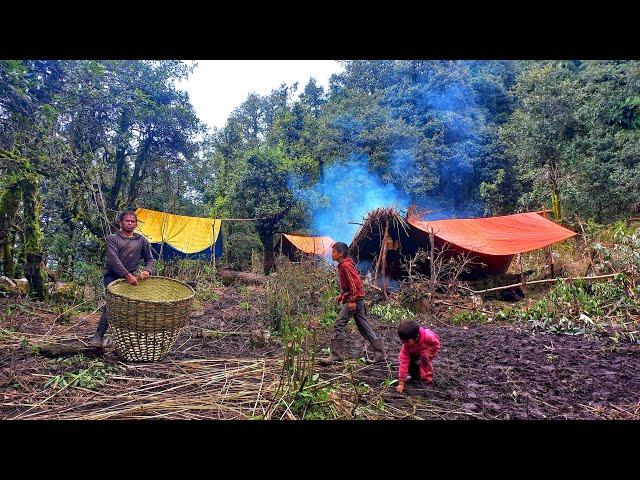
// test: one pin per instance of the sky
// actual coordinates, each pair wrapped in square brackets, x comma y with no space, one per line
[217,87]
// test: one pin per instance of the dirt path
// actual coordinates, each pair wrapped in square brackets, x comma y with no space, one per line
[488,372]
[500,372]
[492,372]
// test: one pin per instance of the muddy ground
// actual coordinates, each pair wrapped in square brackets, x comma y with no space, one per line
[486,371]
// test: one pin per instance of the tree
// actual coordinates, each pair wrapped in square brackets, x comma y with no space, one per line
[263,193]
[607,146]
[28,148]
[540,130]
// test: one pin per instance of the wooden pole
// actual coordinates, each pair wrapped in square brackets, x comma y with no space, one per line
[383,259]
[547,249]
[213,247]
[522,279]
[431,259]
[586,245]
[548,280]
[214,256]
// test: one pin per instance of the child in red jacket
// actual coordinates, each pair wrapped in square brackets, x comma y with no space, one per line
[419,346]
[352,297]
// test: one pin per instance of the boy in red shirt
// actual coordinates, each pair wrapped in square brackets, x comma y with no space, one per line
[419,346]
[353,295]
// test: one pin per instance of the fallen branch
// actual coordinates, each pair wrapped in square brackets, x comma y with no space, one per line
[462,306]
[217,333]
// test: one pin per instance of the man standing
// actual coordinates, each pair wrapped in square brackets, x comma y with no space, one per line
[125,249]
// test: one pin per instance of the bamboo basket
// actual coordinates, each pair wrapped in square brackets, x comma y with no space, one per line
[147,318]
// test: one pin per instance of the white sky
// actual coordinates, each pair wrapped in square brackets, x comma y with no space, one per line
[217,87]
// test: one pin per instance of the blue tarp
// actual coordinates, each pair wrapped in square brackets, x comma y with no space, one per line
[171,253]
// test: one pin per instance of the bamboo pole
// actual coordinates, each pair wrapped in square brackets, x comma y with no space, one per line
[431,266]
[547,249]
[549,280]
[586,245]
[523,281]
[383,259]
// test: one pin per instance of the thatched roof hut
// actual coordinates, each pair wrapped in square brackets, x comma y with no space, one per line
[491,243]
[382,242]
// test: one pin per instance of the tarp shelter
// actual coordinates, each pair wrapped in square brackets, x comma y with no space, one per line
[180,236]
[294,246]
[492,242]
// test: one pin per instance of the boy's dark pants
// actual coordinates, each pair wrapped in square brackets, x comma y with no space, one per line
[340,329]
[104,323]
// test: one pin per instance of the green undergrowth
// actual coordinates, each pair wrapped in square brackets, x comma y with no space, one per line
[391,313]
[608,309]
[78,371]
[468,316]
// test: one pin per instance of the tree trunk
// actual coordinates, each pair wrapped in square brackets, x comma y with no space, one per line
[555,204]
[555,187]
[89,219]
[121,151]
[8,265]
[117,182]
[66,262]
[9,202]
[32,234]
[136,177]
[266,237]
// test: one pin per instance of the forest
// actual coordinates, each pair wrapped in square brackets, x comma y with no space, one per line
[83,140]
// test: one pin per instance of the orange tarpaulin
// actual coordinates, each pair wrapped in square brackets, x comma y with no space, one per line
[311,245]
[506,235]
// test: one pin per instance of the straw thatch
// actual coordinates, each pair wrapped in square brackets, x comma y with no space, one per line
[384,237]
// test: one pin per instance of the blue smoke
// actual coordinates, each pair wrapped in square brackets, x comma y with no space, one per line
[434,161]
[403,164]
[454,97]
[448,115]
[347,193]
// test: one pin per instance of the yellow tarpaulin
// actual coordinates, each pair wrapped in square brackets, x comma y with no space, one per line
[187,234]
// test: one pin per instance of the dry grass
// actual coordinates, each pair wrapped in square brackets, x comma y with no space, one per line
[221,388]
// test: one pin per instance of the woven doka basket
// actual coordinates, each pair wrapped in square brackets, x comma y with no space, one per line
[147,318]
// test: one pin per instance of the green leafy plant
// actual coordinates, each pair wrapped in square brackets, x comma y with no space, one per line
[328,318]
[293,303]
[581,308]
[387,382]
[390,313]
[312,403]
[94,374]
[6,332]
[329,307]
[468,316]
